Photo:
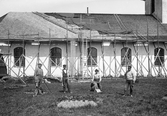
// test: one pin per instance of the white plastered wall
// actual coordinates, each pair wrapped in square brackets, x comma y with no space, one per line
[107,66]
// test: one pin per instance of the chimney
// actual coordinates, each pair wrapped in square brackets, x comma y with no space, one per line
[161,10]
[158,8]
[149,6]
[87,11]
[164,13]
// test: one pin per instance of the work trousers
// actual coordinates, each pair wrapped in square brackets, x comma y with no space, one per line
[66,86]
[129,85]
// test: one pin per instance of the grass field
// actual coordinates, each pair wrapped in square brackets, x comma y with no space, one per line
[147,100]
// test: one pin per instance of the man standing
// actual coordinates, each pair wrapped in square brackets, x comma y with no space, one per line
[38,79]
[66,86]
[129,76]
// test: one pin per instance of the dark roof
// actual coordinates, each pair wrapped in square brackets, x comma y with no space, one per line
[38,25]
[115,24]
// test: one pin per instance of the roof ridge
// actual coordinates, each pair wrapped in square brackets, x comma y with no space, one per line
[1,18]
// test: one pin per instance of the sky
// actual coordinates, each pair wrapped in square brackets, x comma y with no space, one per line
[73,6]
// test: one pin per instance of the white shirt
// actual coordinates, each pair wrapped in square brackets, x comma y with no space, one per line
[130,75]
[97,77]
[39,72]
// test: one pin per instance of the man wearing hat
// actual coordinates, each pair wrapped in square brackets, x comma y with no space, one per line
[129,76]
[38,79]
[66,86]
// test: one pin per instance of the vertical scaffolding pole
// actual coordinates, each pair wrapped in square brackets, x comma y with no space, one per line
[23,56]
[126,57]
[82,53]
[38,53]
[137,55]
[137,61]
[148,47]
[82,56]
[80,63]
[159,67]
[71,56]
[115,55]
[8,55]
[80,69]
[136,50]
[50,61]
[91,54]
[67,48]
[86,53]
[110,60]
[102,50]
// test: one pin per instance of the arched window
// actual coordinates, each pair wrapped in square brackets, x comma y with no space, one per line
[92,56]
[158,56]
[19,58]
[126,56]
[56,54]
